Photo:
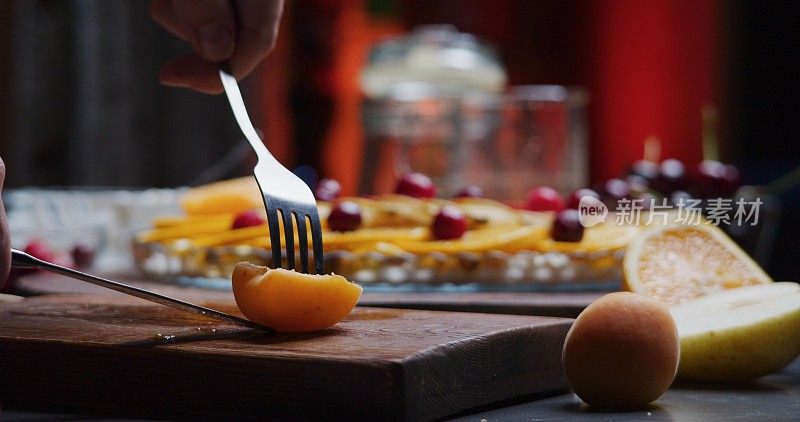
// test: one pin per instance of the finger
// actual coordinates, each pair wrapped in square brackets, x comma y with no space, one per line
[210,26]
[191,71]
[258,22]
[164,14]
[5,242]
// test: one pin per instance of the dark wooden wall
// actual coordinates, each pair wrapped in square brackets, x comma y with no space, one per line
[81,103]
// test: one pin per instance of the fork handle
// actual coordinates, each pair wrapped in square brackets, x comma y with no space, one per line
[236,101]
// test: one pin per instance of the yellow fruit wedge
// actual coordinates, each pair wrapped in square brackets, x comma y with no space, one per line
[290,301]
[232,237]
[484,212]
[342,240]
[229,196]
[184,231]
[677,263]
[739,334]
[173,221]
[399,211]
[331,239]
[324,209]
[489,238]
[385,248]
[607,237]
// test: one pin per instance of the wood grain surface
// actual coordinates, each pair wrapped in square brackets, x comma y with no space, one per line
[567,305]
[118,355]
[560,304]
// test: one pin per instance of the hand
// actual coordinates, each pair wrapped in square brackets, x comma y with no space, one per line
[241,31]
[5,241]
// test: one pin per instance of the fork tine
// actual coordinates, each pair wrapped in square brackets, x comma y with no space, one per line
[302,236]
[274,236]
[316,238]
[288,233]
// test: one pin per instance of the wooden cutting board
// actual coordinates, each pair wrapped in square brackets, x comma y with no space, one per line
[560,304]
[118,355]
[567,305]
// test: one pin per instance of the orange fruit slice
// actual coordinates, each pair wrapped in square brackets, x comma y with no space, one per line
[486,239]
[677,263]
[185,230]
[290,301]
[332,239]
[603,237]
[174,221]
[234,236]
[395,211]
[226,197]
[484,212]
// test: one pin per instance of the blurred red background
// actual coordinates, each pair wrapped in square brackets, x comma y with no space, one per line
[650,68]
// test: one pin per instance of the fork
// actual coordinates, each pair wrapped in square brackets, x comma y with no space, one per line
[283,192]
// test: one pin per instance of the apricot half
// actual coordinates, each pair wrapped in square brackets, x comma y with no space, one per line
[290,301]
[622,351]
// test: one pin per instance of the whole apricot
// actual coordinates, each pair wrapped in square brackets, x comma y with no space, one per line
[622,351]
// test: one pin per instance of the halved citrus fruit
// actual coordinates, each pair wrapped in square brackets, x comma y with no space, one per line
[677,263]
[739,334]
[290,301]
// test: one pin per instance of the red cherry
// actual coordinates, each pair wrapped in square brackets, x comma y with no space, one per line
[638,187]
[82,255]
[567,227]
[247,219]
[706,178]
[327,190]
[415,184]
[637,182]
[345,217]
[713,179]
[671,177]
[65,260]
[40,249]
[544,198]
[450,223]
[731,180]
[470,191]
[680,198]
[36,248]
[574,200]
[613,190]
[644,168]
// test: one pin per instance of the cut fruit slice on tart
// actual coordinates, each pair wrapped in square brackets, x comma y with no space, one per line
[341,240]
[485,239]
[228,196]
[677,263]
[603,237]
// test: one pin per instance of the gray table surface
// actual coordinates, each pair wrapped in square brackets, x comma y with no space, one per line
[775,397]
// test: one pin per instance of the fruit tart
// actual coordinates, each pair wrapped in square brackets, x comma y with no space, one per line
[409,238]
